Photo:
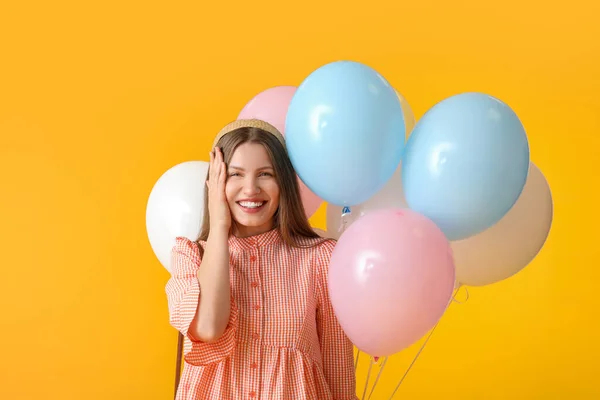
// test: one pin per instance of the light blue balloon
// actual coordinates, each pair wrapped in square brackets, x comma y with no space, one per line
[345,132]
[465,163]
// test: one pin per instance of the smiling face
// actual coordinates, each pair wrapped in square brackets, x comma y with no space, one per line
[262,188]
[252,190]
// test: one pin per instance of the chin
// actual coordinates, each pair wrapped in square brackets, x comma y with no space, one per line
[254,222]
[261,220]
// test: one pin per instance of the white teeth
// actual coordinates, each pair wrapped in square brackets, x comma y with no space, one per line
[251,204]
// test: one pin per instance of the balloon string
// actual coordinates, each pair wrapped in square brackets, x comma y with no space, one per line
[413,361]
[356,361]
[378,376]
[466,293]
[424,343]
[364,396]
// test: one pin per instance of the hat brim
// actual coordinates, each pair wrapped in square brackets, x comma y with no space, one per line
[249,123]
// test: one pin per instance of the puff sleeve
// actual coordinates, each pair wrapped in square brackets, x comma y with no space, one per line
[183,296]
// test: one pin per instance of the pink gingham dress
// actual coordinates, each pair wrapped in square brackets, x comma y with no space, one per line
[283,340]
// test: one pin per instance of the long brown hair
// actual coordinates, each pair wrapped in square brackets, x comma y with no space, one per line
[290,217]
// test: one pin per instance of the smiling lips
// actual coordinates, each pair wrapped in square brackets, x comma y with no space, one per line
[251,206]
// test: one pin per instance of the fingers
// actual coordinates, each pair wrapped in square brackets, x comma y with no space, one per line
[219,165]
[211,167]
[223,172]
[222,176]
[218,170]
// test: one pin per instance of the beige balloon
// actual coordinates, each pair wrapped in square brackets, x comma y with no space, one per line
[510,245]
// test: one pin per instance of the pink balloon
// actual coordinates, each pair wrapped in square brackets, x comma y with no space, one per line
[271,106]
[391,277]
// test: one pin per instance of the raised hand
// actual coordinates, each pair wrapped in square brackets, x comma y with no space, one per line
[220,215]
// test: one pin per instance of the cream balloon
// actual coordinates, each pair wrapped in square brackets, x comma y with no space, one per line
[391,196]
[509,246]
[175,208]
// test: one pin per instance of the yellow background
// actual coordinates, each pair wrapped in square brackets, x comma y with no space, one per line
[98,99]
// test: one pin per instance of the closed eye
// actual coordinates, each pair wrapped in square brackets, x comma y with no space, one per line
[260,174]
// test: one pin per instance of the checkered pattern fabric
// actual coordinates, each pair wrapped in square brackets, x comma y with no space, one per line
[283,340]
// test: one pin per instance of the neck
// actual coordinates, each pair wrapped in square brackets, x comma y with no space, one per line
[242,231]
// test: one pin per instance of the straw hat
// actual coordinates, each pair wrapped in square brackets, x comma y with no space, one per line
[249,123]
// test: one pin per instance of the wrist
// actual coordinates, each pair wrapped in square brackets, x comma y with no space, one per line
[219,232]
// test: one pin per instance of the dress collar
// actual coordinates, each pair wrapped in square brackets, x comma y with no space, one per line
[251,242]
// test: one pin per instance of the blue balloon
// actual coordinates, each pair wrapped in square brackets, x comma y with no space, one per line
[344,132]
[465,163]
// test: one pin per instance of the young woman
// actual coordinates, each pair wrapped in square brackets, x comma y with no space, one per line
[250,295]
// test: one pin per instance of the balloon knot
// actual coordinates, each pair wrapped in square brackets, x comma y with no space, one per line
[344,222]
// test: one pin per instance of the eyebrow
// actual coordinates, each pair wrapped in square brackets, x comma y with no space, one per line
[242,169]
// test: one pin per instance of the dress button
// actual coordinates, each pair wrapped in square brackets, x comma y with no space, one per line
[257,307]
[253,258]
[255,336]
[254,365]
[253,394]
[254,284]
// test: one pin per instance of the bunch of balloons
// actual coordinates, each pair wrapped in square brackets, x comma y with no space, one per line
[417,207]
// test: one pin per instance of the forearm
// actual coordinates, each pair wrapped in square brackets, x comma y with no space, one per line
[213,311]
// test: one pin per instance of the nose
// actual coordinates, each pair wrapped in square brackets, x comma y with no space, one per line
[251,186]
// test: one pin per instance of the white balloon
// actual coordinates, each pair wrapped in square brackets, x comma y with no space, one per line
[176,207]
